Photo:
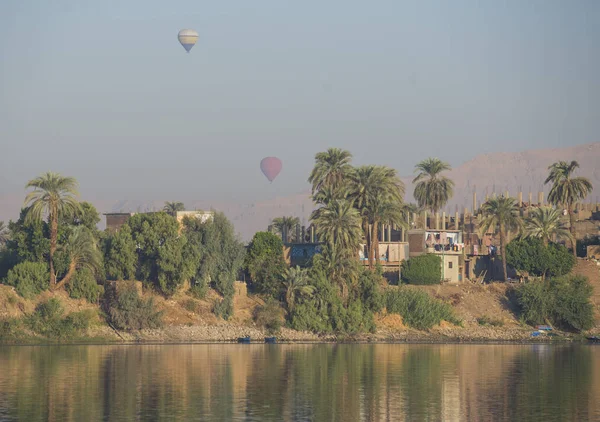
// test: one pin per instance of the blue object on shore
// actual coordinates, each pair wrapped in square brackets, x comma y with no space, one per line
[271,340]
[244,339]
[535,334]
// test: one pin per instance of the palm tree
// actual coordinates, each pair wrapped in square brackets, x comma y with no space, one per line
[331,169]
[285,227]
[54,195]
[171,208]
[296,282]
[4,234]
[384,211]
[338,267]
[432,191]
[501,214]
[545,223]
[338,224]
[567,190]
[363,183]
[378,193]
[82,250]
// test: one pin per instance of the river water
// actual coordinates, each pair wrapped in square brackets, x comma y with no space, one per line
[257,382]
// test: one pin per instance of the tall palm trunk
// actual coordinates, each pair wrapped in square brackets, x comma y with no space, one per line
[572,228]
[53,241]
[365,226]
[68,276]
[375,240]
[503,252]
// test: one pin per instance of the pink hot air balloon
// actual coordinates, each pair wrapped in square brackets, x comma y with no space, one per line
[270,166]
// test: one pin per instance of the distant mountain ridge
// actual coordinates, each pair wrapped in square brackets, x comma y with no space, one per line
[501,171]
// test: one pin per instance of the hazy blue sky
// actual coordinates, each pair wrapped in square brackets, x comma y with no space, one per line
[103,91]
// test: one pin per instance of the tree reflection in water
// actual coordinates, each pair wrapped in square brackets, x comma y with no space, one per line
[300,382]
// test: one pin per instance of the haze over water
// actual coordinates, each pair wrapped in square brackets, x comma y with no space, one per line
[381,382]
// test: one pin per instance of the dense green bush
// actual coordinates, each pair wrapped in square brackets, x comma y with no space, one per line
[224,308]
[265,264]
[531,255]
[424,269]
[126,310]
[29,278]
[418,309]
[83,285]
[120,255]
[268,316]
[563,302]
[219,256]
[325,311]
[48,320]
[371,295]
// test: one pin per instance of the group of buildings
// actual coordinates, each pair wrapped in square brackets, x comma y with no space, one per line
[465,253]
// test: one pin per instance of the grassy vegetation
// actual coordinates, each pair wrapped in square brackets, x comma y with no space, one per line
[563,302]
[48,322]
[126,310]
[418,309]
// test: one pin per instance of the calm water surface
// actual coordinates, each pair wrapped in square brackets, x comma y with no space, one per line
[300,383]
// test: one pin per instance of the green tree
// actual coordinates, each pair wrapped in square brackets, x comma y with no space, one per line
[150,232]
[331,169]
[87,215]
[545,223]
[532,255]
[120,255]
[54,195]
[432,190]
[296,283]
[502,215]
[172,208]
[82,250]
[567,190]
[173,265]
[286,226]
[265,263]
[220,256]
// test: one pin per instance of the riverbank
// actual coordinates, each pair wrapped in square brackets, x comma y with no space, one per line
[486,314]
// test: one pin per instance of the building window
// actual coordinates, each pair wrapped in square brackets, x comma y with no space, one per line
[450,264]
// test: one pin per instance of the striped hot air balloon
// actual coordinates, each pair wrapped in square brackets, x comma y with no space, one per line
[187,38]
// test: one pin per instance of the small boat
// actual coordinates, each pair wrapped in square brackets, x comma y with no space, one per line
[544,328]
[271,340]
[594,339]
[244,339]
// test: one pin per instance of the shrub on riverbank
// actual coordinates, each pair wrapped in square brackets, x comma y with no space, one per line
[126,310]
[268,316]
[48,320]
[29,278]
[418,309]
[563,302]
[84,286]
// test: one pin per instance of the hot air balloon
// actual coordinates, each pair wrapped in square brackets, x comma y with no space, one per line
[270,166]
[187,38]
